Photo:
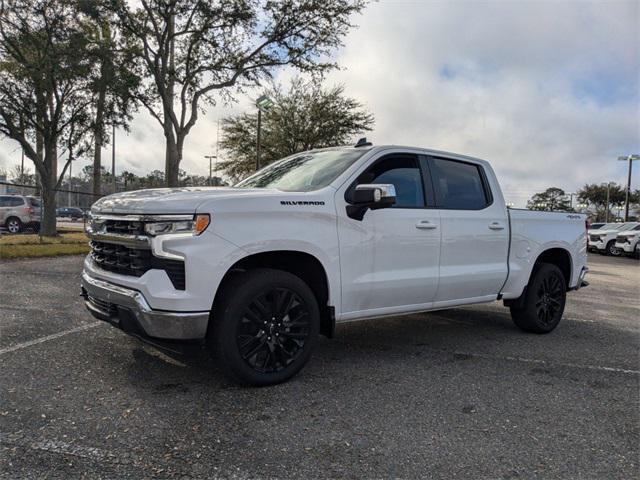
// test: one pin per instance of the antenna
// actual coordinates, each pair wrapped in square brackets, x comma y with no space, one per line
[363,143]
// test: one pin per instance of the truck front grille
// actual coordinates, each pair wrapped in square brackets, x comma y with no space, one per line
[135,261]
[123,227]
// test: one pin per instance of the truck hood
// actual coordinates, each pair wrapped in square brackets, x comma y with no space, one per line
[171,200]
[604,232]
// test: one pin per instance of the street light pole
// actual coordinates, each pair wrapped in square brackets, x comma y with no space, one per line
[263,103]
[70,177]
[113,156]
[210,157]
[606,218]
[629,159]
[258,140]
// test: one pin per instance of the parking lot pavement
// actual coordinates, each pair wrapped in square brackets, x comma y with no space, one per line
[455,394]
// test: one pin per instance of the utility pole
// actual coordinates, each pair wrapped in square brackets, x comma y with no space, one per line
[258,140]
[607,208]
[263,103]
[210,157]
[629,159]
[22,167]
[70,177]
[113,156]
[217,148]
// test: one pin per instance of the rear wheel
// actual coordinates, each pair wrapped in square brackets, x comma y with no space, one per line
[13,225]
[544,300]
[265,327]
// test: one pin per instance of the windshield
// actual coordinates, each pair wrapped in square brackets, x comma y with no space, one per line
[304,171]
[627,226]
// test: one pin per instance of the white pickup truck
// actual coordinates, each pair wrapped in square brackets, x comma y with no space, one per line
[257,271]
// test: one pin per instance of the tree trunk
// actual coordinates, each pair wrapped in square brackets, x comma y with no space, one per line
[172,163]
[48,226]
[97,146]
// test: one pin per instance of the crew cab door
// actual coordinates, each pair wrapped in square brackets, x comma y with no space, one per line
[475,231]
[389,260]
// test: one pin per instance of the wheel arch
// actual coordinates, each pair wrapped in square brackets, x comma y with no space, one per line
[304,265]
[560,257]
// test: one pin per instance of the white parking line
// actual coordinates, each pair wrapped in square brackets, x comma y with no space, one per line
[545,362]
[30,343]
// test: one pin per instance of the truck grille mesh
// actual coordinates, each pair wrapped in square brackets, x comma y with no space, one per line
[135,262]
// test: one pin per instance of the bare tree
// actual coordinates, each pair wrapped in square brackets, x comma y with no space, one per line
[191,49]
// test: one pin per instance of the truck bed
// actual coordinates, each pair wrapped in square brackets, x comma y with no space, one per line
[532,232]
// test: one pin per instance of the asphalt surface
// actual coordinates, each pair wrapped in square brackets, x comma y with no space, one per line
[455,394]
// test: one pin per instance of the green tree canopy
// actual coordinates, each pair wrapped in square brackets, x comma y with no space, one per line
[44,83]
[552,199]
[595,196]
[304,117]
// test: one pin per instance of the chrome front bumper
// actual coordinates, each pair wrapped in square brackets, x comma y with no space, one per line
[129,310]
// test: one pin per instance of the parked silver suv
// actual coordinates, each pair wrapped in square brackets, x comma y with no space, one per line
[18,212]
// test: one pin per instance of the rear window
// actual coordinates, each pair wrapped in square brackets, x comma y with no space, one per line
[11,201]
[34,202]
[459,185]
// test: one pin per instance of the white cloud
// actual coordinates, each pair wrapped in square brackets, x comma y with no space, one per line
[547,91]
[505,82]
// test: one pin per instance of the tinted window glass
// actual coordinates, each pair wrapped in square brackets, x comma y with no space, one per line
[402,172]
[4,201]
[35,202]
[458,185]
[15,202]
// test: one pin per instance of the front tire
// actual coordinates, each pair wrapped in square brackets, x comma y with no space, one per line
[544,300]
[612,250]
[265,327]
[13,225]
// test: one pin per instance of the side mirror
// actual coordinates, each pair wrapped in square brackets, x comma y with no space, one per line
[371,196]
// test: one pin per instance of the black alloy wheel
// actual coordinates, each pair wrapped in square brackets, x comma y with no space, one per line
[264,326]
[540,308]
[549,299]
[273,330]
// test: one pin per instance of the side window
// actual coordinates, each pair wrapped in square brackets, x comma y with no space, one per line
[402,171]
[15,201]
[459,185]
[4,201]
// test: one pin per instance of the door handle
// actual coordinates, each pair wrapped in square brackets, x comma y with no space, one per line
[496,226]
[426,225]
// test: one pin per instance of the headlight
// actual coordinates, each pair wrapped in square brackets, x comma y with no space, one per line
[195,226]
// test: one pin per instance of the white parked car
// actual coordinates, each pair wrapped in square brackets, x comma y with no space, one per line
[258,270]
[626,241]
[603,240]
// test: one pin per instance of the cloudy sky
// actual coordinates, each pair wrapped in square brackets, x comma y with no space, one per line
[549,92]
